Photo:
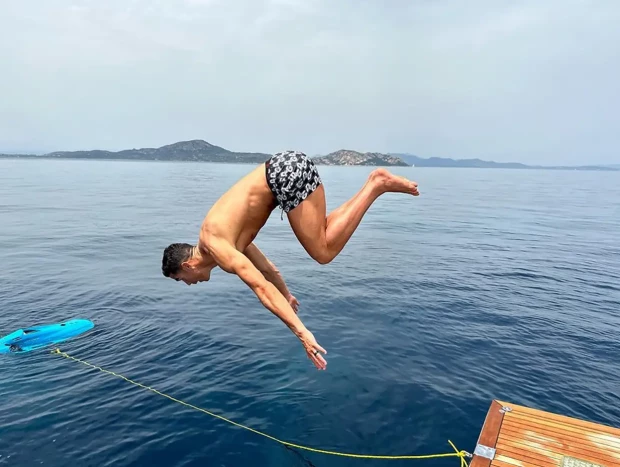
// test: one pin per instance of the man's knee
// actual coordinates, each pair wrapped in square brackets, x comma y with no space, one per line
[323,257]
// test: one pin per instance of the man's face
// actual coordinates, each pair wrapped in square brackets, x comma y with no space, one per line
[195,269]
[192,272]
[189,276]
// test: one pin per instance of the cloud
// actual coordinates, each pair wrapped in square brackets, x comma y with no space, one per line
[528,81]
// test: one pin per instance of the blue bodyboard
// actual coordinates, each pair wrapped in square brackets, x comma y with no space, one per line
[35,337]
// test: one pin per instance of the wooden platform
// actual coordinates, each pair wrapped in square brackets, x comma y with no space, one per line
[524,437]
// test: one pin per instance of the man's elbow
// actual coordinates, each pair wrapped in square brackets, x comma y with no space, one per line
[257,282]
[263,293]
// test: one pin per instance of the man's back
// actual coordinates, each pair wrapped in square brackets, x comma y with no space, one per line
[242,211]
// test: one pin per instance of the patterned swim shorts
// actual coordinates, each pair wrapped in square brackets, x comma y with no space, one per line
[292,177]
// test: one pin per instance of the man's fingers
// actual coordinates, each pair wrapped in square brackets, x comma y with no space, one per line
[321,360]
[315,361]
[320,365]
[318,361]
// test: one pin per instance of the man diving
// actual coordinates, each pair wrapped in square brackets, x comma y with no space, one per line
[290,180]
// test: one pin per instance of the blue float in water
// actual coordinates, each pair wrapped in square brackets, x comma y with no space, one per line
[25,340]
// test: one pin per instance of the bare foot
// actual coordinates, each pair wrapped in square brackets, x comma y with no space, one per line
[387,182]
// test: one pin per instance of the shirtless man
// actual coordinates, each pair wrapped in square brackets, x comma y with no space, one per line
[290,180]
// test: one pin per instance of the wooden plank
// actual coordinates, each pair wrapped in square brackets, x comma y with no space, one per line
[555,427]
[543,433]
[504,461]
[508,462]
[592,426]
[543,452]
[538,421]
[515,421]
[559,446]
[523,454]
[489,434]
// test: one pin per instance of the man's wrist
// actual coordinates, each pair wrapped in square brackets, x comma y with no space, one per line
[299,331]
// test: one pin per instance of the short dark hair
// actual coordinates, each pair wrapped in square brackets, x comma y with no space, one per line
[174,255]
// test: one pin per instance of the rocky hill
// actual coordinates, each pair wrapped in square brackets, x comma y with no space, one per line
[346,157]
[194,150]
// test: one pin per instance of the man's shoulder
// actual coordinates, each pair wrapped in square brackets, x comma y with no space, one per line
[212,227]
[211,235]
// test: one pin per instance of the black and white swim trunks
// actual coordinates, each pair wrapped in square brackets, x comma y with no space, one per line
[292,177]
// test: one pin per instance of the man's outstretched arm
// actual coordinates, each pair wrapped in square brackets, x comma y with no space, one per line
[233,261]
[271,273]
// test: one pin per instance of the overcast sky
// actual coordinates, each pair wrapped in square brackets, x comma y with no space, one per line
[531,81]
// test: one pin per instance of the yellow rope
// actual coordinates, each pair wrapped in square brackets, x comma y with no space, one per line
[461,454]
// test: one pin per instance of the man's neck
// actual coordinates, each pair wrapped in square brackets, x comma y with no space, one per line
[203,258]
[196,253]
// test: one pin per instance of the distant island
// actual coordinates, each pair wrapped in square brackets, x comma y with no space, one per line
[346,157]
[201,151]
[186,151]
[478,163]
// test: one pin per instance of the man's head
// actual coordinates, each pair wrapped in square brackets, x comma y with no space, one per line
[181,262]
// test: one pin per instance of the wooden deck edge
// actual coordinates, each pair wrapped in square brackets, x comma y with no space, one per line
[489,434]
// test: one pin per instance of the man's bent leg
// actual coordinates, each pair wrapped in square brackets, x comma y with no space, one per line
[308,223]
[324,238]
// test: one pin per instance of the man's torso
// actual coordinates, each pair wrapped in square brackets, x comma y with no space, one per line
[242,211]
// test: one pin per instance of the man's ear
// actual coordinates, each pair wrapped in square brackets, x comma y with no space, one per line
[190,264]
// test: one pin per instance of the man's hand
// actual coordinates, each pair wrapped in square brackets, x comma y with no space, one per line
[313,349]
[293,302]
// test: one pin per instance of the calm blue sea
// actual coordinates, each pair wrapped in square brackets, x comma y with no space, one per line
[491,284]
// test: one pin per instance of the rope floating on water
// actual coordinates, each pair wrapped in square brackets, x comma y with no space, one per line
[462,455]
